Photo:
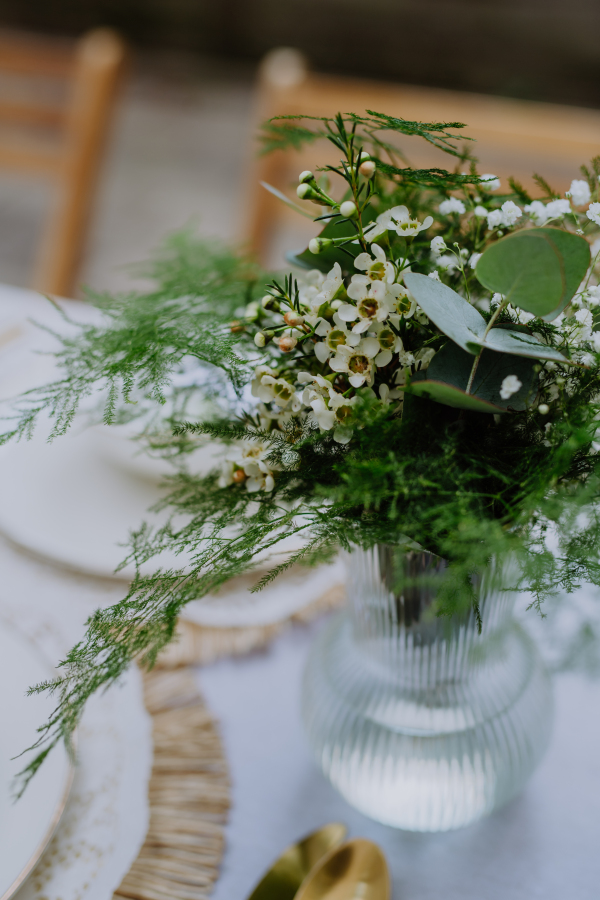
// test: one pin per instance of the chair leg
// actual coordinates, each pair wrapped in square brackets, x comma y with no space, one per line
[99,63]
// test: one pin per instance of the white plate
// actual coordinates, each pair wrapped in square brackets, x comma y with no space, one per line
[74,502]
[27,824]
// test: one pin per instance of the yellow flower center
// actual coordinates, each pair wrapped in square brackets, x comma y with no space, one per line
[403,305]
[343,412]
[359,364]
[377,271]
[282,391]
[335,338]
[368,307]
[386,338]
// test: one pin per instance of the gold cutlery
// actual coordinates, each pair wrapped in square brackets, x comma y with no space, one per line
[355,871]
[293,866]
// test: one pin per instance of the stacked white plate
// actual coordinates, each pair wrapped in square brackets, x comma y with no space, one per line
[28,823]
[75,500]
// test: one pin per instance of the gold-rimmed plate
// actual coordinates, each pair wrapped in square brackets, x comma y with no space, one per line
[27,824]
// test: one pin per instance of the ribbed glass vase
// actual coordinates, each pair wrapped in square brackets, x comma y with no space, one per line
[419,721]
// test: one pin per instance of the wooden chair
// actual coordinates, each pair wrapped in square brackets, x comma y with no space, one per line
[56,127]
[514,137]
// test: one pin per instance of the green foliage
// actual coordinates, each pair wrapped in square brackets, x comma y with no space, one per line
[471,487]
[467,327]
[451,368]
[539,269]
[143,338]
[283,132]
[428,177]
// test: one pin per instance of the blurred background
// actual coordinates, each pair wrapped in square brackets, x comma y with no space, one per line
[179,140]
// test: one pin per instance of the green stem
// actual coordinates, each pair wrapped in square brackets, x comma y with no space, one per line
[501,306]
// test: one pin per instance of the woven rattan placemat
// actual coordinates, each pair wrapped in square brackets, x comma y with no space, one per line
[189,784]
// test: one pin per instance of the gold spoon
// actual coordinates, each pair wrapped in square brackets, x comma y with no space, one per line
[355,871]
[285,877]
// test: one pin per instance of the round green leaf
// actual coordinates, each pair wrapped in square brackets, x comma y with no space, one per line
[539,269]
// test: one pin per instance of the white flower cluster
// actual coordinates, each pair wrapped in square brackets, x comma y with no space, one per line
[246,463]
[352,330]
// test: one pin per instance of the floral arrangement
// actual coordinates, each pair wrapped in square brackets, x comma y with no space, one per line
[429,374]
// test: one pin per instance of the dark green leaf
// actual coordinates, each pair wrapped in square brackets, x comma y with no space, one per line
[453,366]
[449,395]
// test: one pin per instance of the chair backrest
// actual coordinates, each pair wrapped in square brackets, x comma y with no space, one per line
[56,126]
[514,137]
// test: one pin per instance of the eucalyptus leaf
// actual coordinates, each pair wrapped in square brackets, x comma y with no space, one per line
[463,324]
[539,269]
[453,366]
[518,343]
[448,310]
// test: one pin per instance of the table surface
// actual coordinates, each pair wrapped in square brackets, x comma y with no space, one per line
[544,844]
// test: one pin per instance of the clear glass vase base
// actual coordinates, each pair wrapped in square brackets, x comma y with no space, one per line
[420,748]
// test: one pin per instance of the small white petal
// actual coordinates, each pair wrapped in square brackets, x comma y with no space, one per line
[383,358]
[338,364]
[322,351]
[370,347]
[342,434]
[357,380]
[363,261]
[347,312]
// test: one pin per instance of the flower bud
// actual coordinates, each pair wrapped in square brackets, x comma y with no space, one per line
[236,326]
[238,476]
[367,168]
[259,339]
[348,209]
[316,245]
[269,302]
[306,192]
[287,343]
[363,156]
[335,304]
[292,318]
[305,176]
[543,409]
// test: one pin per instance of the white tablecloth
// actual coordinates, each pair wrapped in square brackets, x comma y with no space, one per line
[542,845]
